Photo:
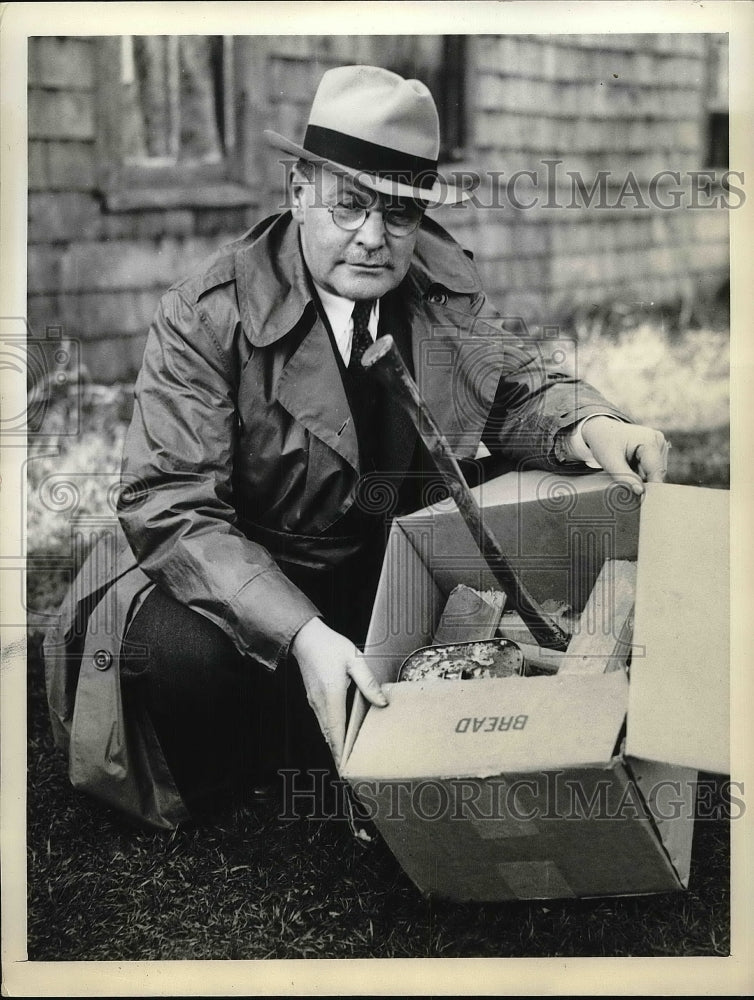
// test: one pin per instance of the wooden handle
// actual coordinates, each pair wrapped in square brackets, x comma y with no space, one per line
[384,359]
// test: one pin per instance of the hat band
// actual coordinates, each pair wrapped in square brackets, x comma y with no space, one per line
[360,154]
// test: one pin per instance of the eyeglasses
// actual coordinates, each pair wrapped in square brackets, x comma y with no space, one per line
[398,221]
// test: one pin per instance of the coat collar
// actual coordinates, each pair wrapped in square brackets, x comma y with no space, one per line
[439,260]
[273,291]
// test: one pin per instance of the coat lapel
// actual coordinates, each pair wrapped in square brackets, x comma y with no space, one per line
[311,390]
[274,298]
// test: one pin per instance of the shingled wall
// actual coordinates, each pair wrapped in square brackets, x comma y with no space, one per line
[631,103]
[634,103]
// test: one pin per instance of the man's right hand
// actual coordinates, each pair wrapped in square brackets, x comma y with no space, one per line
[328,661]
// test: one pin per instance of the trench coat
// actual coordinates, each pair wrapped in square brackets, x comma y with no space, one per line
[242,455]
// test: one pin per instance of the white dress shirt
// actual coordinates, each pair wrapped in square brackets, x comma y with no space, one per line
[340,315]
[578,449]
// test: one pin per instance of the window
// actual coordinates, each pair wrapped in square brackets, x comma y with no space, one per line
[169,135]
[176,99]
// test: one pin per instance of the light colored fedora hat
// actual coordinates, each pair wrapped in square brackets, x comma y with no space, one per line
[373,125]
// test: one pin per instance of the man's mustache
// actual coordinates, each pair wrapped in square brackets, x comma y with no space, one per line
[380,259]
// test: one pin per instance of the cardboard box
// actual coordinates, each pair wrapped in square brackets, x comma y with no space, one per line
[567,785]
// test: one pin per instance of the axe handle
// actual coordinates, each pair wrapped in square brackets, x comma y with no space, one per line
[384,359]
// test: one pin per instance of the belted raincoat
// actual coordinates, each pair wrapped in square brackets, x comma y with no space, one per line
[242,457]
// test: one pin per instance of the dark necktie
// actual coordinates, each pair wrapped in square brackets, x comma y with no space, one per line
[361,336]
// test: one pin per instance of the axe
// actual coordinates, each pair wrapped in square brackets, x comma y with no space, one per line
[385,361]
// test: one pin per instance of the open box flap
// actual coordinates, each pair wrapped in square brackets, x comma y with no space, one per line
[480,728]
[553,489]
[398,626]
[679,692]
[555,530]
[670,794]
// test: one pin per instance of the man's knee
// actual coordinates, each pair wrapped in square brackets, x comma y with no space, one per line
[168,641]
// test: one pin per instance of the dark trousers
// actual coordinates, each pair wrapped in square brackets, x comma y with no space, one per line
[221,719]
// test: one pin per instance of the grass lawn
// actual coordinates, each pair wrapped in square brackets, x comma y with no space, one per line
[244,884]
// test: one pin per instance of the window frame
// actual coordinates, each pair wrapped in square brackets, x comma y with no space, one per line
[129,186]
[715,102]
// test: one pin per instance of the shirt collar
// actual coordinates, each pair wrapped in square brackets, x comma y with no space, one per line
[338,309]
[339,313]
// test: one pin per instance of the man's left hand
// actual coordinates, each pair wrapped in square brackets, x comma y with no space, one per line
[328,661]
[630,453]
